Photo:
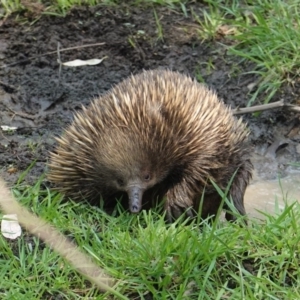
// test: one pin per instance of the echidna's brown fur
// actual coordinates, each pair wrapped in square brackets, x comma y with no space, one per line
[158,134]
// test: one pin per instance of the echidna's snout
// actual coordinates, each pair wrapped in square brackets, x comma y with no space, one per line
[135,196]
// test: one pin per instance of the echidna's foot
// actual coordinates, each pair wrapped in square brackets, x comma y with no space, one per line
[174,212]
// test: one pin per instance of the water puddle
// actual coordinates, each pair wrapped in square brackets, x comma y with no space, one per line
[265,195]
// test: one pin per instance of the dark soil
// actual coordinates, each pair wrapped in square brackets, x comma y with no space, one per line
[40,101]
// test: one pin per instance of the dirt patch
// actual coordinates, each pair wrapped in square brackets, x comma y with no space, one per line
[40,101]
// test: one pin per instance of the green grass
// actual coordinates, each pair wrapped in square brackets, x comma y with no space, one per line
[263,32]
[159,29]
[11,6]
[178,261]
[61,7]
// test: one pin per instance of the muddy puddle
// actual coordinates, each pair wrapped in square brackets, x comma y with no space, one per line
[271,196]
[270,190]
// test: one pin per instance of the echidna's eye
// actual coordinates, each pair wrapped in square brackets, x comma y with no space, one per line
[120,182]
[147,177]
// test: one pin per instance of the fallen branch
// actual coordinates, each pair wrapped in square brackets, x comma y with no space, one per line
[248,110]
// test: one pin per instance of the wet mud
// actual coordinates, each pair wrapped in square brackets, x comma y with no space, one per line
[38,97]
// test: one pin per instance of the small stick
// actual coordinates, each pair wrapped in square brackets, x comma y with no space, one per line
[20,114]
[52,52]
[7,85]
[247,110]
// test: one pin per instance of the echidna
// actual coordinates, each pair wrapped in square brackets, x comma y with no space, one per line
[156,135]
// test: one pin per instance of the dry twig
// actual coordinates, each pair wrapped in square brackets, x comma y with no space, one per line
[248,110]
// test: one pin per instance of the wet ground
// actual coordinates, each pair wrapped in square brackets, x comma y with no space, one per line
[39,99]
